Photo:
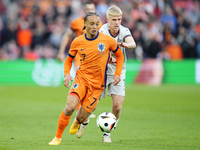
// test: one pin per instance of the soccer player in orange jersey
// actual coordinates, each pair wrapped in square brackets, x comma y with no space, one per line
[94,50]
[125,40]
[76,27]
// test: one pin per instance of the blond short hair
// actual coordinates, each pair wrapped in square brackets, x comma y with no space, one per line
[114,11]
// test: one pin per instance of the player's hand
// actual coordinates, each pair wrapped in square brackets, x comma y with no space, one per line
[112,60]
[123,45]
[67,80]
[116,79]
[61,57]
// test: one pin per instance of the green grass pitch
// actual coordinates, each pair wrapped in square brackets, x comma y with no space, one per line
[152,118]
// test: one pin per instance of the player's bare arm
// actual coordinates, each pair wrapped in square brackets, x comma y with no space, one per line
[65,39]
[129,42]
[67,80]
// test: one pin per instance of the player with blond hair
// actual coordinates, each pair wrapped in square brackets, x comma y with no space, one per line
[125,40]
[94,50]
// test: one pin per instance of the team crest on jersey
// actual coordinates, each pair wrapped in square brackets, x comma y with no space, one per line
[101,47]
[75,86]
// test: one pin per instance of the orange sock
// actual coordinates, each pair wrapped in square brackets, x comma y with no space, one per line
[62,123]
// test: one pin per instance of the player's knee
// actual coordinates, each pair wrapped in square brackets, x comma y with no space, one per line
[68,111]
[117,109]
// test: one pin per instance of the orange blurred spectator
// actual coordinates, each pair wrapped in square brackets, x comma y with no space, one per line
[24,35]
[174,50]
[197,27]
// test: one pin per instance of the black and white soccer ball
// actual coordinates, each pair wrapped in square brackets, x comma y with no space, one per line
[106,122]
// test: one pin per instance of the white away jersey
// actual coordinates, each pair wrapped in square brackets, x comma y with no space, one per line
[120,37]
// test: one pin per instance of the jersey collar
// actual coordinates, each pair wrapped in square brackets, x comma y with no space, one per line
[113,35]
[92,38]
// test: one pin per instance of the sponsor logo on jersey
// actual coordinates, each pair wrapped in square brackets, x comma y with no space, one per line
[83,49]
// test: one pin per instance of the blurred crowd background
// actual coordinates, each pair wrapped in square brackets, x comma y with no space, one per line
[162,29]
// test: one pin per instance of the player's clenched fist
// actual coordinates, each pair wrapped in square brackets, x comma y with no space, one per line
[116,79]
[67,80]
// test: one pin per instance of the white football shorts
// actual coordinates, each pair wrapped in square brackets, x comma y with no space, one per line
[118,89]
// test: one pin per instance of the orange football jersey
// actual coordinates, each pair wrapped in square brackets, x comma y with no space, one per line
[77,26]
[94,55]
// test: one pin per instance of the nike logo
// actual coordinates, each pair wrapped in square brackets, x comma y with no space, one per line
[83,49]
[89,107]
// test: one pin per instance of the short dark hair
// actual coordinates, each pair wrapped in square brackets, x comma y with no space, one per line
[88,2]
[89,14]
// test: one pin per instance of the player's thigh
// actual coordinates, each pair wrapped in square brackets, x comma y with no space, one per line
[72,102]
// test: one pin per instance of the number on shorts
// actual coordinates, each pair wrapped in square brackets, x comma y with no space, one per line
[94,101]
